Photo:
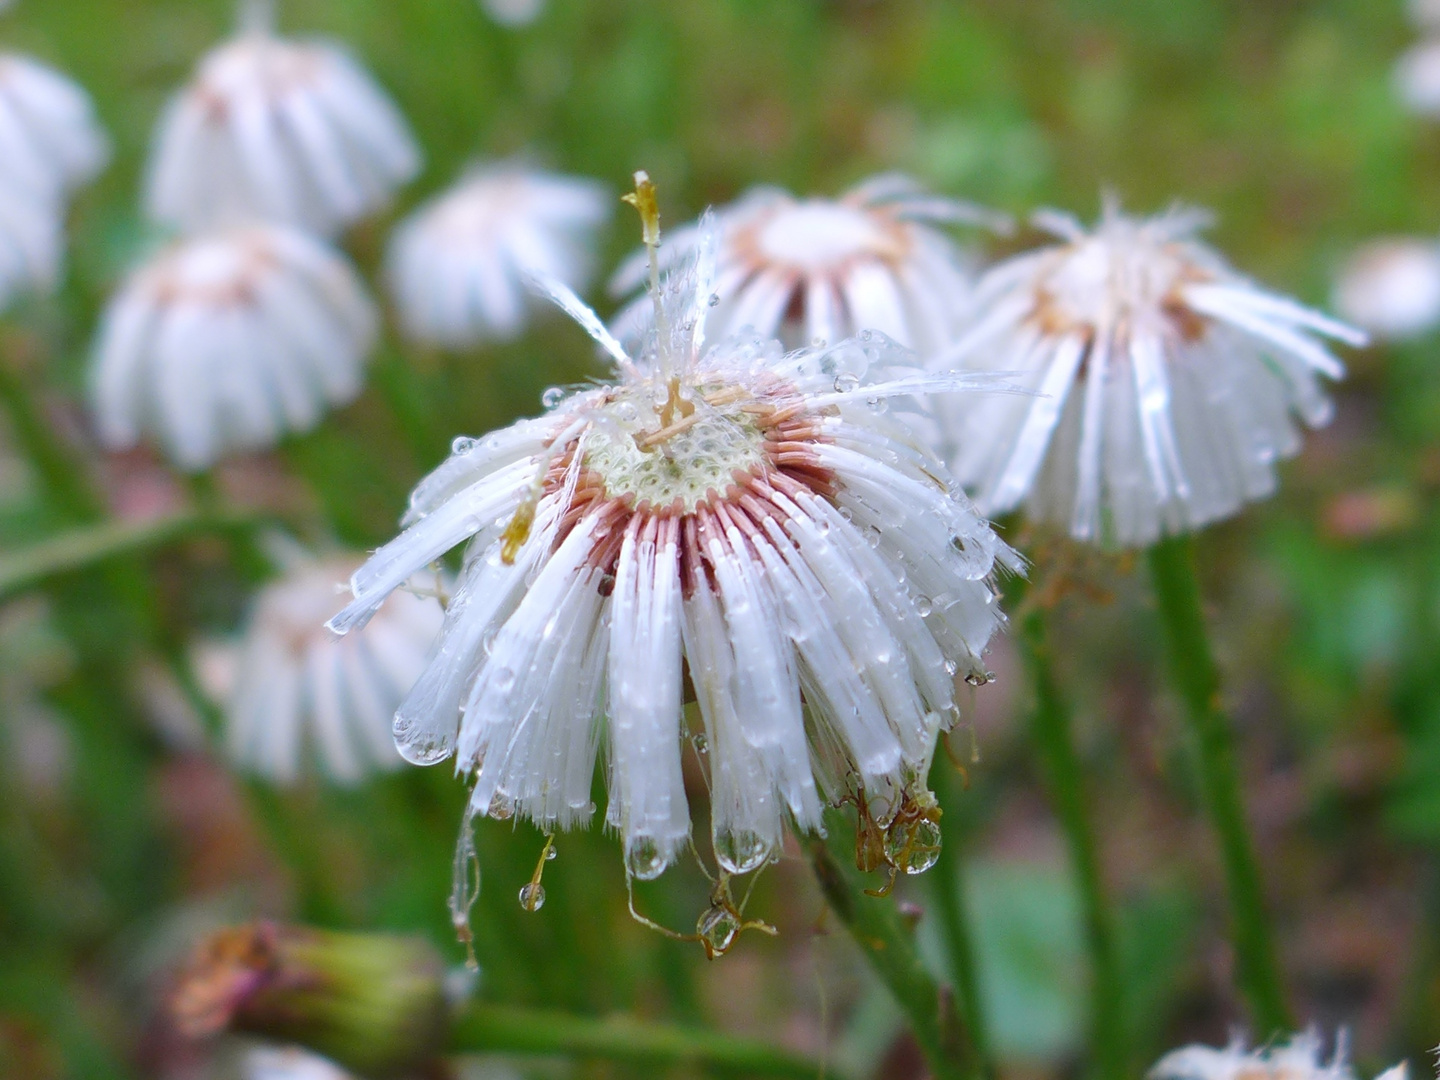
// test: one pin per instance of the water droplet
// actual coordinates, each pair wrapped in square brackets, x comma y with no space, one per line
[740,852]
[873,536]
[951,667]
[818,343]
[550,853]
[979,678]
[500,808]
[866,335]
[532,896]
[643,860]
[702,744]
[846,382]
[877,404]
[924,850]
[717,928]
[925,607]
[713,300]
[463,445]
[552,396]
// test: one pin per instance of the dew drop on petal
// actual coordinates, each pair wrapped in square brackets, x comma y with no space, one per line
[846,382]
[714,300]
[532,896]
[740,852]
[924,607]
[702,745]
[552,397]
[463,445]
[643,860]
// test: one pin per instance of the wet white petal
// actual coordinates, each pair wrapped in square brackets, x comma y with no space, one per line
[1169,385]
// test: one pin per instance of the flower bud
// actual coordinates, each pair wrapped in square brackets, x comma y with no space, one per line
[372,1002]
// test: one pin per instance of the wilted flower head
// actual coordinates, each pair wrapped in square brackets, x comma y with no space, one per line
[228,340]
[808,270]
[278,130]
[752,517]
[297,691]
[1302,1058]
[1166,381]
[1392,288]
[374,1003]
[457,267]
[50,140]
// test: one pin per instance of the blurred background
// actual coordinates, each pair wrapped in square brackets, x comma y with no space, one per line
[123,834]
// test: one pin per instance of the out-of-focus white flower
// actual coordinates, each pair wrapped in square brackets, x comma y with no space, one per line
[295,690]
[1166,381]
[1302,1058]
[753,516]
[277,130]
[50,140]
[50,143]
[31,243]
[288,1063]
[513,13]
[457,267]
[1425,14]
[1417,77]
[808,270]
[226,341]
[1392,288]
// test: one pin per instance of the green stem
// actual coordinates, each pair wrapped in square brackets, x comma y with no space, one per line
[876,926]
[1192,665]
[949,876]
[61,476]
[84,547]
[1064,776]
[484,1028]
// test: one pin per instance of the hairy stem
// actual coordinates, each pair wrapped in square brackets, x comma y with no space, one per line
[1064,776]
[1196,678]
[888,945]
[485,1028]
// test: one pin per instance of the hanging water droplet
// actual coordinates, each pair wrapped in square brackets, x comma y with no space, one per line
[552,396]
[532,896]
[979,678]
[923,850]
[846,382]
[500,808]
[550,853]
[740,852]
[463,445]
[717,928]
[643,859]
